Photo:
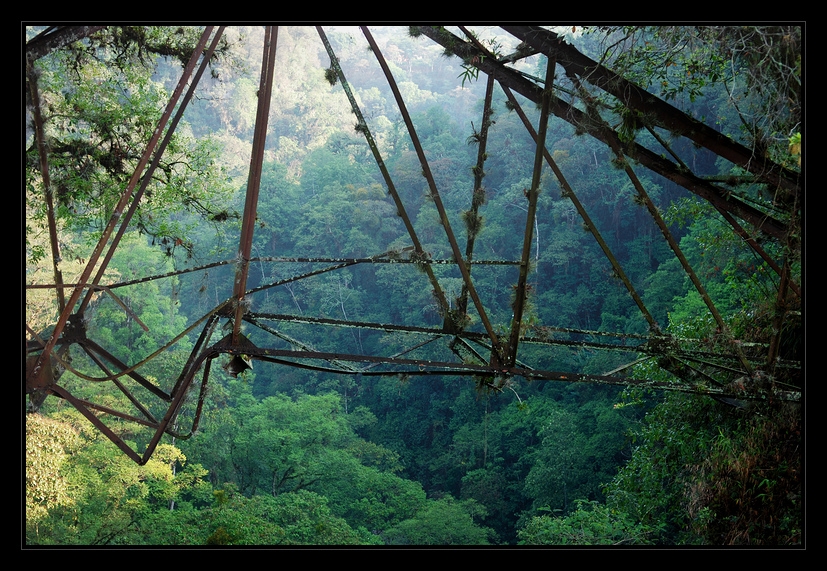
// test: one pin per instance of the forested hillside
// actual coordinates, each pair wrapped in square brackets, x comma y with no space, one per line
[275,450]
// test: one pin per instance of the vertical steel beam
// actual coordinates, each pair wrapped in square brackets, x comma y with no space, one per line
[474,221]
[533,193]
[47,183]
[268,62]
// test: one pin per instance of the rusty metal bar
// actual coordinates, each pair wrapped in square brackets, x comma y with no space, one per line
[301,277]
[391,257]
[199,408]
[467,346]
[82,408]
[476,336]
[666,115]
[386,258]
[174,407]
[429,367]
[94,287]
[497,354]
[541,375]
[756,247]
[119,208]
[569,192]
[47,182]
[449,367]
[161,428]
[349,262]
[55,38]
[580,120]
[65,343]
[268,62]
[203,338]
[419,367]
[341,322]
[473,220]
[288,339]
[620,157]
[116,413]
[400,207]
[228,344]
[135,402]
[533,193]
[736,226]
[146,383]
[409,350]
[651,345]
[159,153]
[650,206]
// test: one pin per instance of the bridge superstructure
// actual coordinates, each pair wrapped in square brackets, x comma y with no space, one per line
[487,353]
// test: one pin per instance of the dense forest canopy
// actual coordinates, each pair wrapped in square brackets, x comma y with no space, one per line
[416,285]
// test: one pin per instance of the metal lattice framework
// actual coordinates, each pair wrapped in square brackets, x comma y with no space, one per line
[485,353]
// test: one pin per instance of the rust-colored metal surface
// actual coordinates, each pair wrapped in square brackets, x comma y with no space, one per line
[489,356]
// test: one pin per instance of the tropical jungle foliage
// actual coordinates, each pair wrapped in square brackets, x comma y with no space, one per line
[287,456]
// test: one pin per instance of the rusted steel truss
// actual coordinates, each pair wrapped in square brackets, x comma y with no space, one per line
[490,357]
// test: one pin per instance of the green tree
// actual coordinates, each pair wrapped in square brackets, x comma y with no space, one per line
[560,471]
[758,67]
[295,518]
[592,523]
[701,473]
[503,498]
[100,105]
[48,444]
[282,445]
[443,522]
[347,212]
[367,497]
[112,498]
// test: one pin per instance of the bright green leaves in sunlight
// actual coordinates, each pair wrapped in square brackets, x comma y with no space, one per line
[47,444]
[82,491]
[795,148]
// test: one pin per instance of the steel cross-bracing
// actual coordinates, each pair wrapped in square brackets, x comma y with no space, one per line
[486,352]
